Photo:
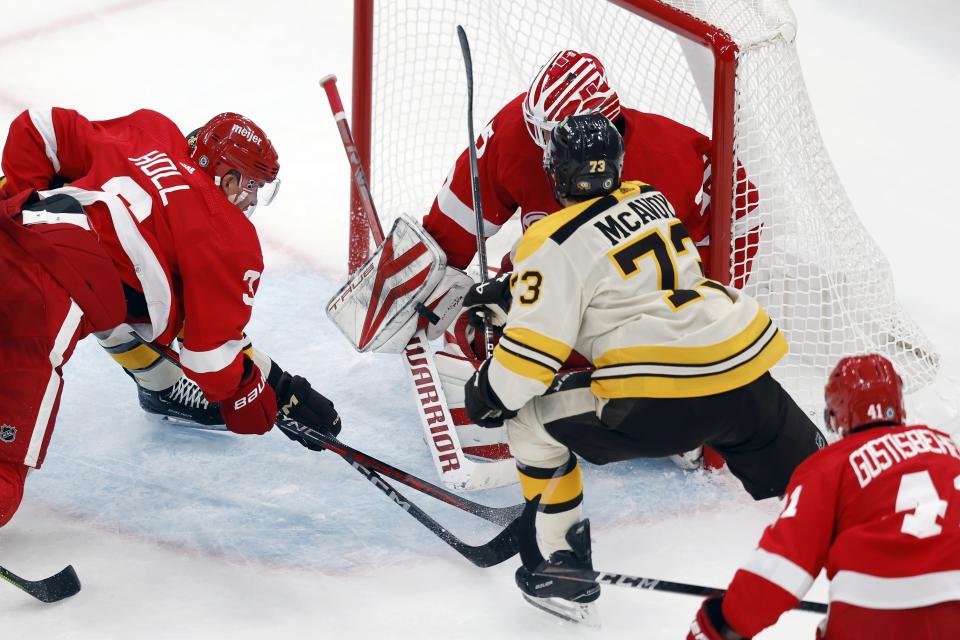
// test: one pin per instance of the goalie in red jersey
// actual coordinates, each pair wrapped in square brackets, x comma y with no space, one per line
[671,157]
[879,510]
[659,151]
[149,241]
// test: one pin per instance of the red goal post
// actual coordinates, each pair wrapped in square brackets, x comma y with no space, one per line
[727,68]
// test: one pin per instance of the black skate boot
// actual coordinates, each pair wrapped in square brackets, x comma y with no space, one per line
[185,403]
[567,599]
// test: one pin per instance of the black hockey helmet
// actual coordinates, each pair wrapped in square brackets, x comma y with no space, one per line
[584,157]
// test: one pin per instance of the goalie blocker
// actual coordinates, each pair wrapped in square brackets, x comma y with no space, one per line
[404,286]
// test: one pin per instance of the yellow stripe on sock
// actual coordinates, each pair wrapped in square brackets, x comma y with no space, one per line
[140,357]
[558,490]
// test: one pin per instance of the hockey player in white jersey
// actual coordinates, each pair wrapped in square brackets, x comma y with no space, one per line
[680,360]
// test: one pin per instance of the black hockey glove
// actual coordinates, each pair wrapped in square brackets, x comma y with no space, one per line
[489,299]
[297,401]
[483,406]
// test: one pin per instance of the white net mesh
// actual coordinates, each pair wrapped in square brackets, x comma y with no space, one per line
[817,271]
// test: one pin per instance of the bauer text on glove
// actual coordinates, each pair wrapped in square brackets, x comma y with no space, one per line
[252,409]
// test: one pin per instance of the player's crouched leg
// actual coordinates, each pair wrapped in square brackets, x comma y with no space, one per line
[763,451]
[549,471]
[12,477]
[547,468]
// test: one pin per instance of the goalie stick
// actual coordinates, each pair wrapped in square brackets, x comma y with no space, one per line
[53,589]
[502,516]
[475,179]
[455,469]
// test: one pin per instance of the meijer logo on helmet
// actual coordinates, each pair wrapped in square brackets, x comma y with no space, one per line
[246,132]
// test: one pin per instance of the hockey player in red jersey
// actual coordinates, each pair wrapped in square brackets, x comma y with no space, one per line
[879,510]
[150,234]
[659,151]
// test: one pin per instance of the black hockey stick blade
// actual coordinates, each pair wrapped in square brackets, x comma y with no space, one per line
[502,516]
[500,548]
[638,582]
[57,587]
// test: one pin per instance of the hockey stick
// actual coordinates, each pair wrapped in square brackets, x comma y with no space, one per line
[654,584]
[502,516]
[530,553]
[498,515]
[497,550]
[456,471]
[500,548]
[475,179]
[53,589]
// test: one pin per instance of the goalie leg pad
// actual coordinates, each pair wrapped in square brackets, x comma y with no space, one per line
[479,442]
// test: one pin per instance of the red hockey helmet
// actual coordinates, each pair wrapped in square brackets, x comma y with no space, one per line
[863,390]
[230,142]
[571,83]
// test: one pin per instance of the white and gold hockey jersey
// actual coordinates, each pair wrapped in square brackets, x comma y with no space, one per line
[618,279]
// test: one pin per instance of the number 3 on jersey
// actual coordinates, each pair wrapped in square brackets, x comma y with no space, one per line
[533,280]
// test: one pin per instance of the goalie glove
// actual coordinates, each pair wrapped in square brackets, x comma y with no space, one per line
[483,406]
[299,402]
[710,623]
[404,286]
[491,300]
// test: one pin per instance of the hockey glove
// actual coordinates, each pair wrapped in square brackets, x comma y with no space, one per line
[710,623]
[252,409]
[483,406]
[299,402]
[491,300]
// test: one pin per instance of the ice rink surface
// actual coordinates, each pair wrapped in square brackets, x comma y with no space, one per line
[185,534]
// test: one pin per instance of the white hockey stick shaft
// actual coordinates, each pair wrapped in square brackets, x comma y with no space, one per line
[455,470]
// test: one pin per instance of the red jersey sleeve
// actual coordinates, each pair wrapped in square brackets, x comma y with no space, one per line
[791,553]
[746,227]
[451,221]
[220,268]
[43,144]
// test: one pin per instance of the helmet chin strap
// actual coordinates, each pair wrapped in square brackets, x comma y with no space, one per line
[236,198]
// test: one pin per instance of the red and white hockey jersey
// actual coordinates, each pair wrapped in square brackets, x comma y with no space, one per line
[880,511]
[658,151]
[188,259]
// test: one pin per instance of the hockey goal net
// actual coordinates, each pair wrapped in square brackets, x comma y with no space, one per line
[728,68]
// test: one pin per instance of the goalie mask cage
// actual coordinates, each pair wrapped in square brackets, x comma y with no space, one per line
[728,68]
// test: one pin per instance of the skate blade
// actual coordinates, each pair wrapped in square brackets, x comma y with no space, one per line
[585,614]
[190,424]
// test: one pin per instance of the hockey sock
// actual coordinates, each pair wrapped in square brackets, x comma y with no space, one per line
[143,363]
[12,476]
[561,494]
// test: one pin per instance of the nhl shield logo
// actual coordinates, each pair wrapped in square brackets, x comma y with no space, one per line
[7,433]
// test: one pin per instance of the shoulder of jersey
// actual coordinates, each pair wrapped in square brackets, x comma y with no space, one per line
[836,453]
[510,133]
[558,227]
[656,124]
[162,129]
